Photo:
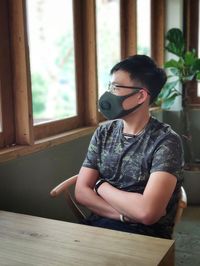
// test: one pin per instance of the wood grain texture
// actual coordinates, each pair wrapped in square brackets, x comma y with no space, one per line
[29,240]
[128,27]
[7,137]
[18,151]
[158,31]
[21,73]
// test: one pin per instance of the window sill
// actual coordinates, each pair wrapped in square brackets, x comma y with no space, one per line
[14,152]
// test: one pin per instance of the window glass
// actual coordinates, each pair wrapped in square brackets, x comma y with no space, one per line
[143,27]
[51,47]
[108,39]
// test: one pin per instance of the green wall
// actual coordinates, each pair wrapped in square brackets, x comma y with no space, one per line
[27,181]
[195,131]
[175,119]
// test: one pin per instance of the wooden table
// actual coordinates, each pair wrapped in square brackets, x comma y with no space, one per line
[29,240]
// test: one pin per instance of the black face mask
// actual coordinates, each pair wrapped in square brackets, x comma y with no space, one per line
[111,105]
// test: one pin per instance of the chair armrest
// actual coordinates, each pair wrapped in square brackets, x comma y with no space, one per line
[183,200]
[64,186]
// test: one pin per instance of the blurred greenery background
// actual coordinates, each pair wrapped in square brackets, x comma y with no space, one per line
[51,45]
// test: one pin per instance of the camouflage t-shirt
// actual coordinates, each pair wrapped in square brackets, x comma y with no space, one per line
[126,163]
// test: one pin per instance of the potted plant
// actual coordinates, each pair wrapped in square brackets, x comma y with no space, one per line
[183,70]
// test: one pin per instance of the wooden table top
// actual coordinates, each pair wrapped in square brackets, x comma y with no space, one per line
[29,240]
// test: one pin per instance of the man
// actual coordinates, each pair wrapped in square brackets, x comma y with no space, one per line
[131,176]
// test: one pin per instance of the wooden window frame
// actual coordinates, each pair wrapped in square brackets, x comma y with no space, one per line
[7,136]
[85,59]
[128,13]
[19,135]
[128,30]
[85,116]
[158,9]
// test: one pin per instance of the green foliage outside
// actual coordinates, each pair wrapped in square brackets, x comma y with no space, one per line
[39,87]
[46,84]
[53,88]
[184,68]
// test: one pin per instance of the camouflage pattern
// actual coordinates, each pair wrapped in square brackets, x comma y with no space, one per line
[127,163]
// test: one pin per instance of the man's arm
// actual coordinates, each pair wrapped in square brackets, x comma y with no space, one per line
[85,194]
[146,208]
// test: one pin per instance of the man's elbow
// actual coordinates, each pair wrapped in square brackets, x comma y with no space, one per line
[149,218]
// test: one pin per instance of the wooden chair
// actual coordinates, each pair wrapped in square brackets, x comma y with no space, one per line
[182,204]
[65,186]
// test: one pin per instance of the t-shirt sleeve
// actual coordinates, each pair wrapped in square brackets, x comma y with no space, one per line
[168,157]
[91,159]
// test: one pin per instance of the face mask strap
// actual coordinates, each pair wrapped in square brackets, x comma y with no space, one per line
[126,112]
[126,96]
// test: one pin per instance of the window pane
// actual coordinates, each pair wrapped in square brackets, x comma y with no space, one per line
[51,44]
[143,27]
[108,39]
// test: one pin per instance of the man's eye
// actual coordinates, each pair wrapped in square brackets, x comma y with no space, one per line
[116,88]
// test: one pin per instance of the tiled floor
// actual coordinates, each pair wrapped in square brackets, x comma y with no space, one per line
[187,236]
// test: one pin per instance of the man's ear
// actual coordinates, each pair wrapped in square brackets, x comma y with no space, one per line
[142,96]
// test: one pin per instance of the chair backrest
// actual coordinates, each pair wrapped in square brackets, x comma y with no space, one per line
[65,188]
[182,204]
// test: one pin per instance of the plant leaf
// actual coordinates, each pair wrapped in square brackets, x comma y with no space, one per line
[189,77]
[176,43]
[198,75]
[175,71]
[168,102]
[171,63]
[197,64]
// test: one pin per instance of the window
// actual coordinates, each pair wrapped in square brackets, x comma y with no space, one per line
[54,56]
[144,27]
[51,44]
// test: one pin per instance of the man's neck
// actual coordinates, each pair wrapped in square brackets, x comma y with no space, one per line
[136,123]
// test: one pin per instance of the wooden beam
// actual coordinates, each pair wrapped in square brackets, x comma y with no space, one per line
[158,31]
[128,21]
[191,32]
[21,73]
[191,23]
[85,40]
[7,136]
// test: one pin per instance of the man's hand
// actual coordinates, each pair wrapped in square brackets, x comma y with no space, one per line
[85,194]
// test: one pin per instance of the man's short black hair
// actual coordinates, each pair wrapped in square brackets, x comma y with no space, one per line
[143,69]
